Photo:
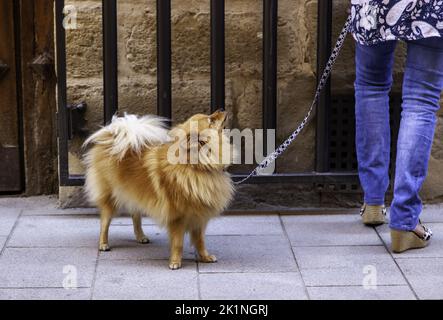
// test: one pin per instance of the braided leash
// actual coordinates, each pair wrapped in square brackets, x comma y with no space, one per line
[324,78]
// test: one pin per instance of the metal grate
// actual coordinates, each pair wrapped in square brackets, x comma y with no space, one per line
[342,154]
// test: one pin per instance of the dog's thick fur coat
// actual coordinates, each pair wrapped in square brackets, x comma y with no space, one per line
[128,166]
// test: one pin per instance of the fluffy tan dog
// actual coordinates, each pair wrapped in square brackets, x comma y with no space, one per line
[129,165]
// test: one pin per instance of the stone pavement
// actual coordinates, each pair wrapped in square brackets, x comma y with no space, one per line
[44,249]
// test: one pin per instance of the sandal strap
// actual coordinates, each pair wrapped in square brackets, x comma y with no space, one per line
[363,209]
[427,232]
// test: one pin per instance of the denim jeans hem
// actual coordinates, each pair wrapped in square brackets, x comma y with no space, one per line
[402,227]
[375,201]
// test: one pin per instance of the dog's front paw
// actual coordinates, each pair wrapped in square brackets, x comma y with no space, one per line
[208,259]
[143,240]
[104,247]
[175,265]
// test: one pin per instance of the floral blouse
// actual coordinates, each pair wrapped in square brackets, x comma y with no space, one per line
[374,21]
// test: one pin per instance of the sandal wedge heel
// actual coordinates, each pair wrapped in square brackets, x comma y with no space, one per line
[406,240]
[373,215]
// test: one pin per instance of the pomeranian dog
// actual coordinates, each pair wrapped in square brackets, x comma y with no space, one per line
[132,164]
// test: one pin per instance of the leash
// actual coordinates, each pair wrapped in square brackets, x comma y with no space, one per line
[324,78]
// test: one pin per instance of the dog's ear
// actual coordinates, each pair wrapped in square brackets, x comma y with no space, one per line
[217,118]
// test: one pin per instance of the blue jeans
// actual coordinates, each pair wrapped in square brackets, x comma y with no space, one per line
[422,86]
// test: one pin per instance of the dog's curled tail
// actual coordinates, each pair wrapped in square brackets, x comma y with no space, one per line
[130,133]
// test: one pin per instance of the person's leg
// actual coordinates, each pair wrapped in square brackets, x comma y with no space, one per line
[372,86]
[422,86]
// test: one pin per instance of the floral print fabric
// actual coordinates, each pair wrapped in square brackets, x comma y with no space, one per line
[374,21]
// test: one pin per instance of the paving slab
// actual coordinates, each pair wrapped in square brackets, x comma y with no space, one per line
[2,242]
[8,217]
[124,246]
[425,276]
[252,286]
[59,211]
[45,267]
[433,250]
[127,221]
[144,279]
[29,202]
[45,294]
[245,225]
[331,230]
[255,258]
[249,254]
[56,231]
[329,266]
[432,213]
[361,293]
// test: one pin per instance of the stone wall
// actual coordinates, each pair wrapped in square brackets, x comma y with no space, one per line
[191,80]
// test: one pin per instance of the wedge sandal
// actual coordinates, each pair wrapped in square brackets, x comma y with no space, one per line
[373,215]
[405,240]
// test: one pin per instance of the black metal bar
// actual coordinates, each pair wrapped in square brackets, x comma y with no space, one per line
[19,93]
[75,180]
[110,63]
[270,16]
[63,164]
[217,54]
[324,102]
[307,177]
[164,96]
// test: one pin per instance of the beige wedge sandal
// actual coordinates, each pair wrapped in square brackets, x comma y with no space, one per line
[373,215]
[405,240]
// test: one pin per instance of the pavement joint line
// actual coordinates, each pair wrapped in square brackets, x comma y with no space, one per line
[396,263]
[337,245]
[42,288]
[61,215]
[244,235]
[145,259]
[418,257]
[11,232]
[355,285]
[198,281]
[295,258]
[51,247]
[247,272]
[94,275]
[130,225]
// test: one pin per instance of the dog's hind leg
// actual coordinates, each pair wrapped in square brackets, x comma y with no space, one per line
[176,232]
[198,240]
[107,210]
[138,230]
